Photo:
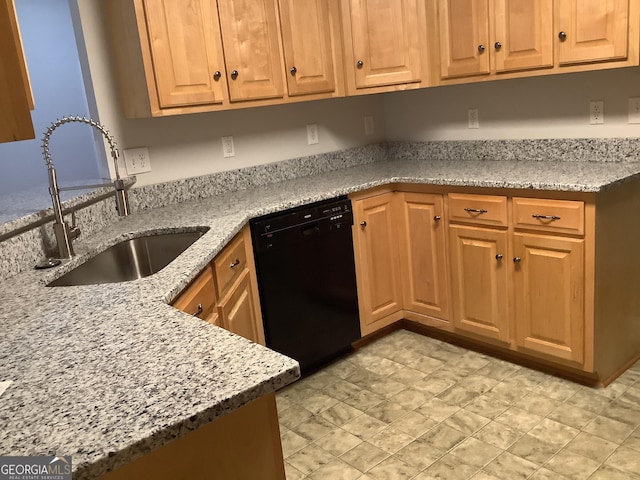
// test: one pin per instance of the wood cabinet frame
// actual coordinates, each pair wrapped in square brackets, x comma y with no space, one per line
[611,339]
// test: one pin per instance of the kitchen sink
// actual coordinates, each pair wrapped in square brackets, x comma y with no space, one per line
[130,259]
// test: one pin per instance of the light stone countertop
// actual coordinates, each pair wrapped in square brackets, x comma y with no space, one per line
[106,373]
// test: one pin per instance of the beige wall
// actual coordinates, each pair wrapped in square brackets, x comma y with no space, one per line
[189,145]
[555,106]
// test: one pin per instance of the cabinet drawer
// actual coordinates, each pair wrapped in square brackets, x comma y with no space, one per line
[199,298]
[478,209]
[229,264]
[560,216]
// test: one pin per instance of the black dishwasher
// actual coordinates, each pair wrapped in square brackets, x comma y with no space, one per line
[307,282]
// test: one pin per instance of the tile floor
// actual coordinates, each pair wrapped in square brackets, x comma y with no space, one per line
[411,407]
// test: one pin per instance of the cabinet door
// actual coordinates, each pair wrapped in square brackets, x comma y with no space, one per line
[238,310]
[377,261]
[523,36]
[594,30]
[464,37]
[308,45]
[186,51]
[385,41]
[15,92]
[251,48]
[549,295]
[479,281]
[423,260]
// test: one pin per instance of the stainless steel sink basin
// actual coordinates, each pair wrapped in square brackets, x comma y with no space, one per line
[129,260]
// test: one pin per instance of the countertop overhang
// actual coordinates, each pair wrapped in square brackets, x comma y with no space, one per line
[106,373]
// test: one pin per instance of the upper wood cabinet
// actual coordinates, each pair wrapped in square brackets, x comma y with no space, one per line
[16,99]
[186,52]
[474,40]
[251,48]
[382,41]
[312,46]
[592,30]
[477,37]
[464,37]
[522,34]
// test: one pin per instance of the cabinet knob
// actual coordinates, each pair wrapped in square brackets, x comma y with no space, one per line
[293,70]
[235,264]
[360,64]
[497,45]
[234,74]
[481,48]
[217,75]
[499,256]
[199,311]
[562,36]
[517,259]
[363,224]
[437,218]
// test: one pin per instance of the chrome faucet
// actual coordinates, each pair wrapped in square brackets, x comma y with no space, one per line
[63,232]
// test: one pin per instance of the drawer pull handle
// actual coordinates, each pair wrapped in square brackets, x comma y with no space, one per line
[200,310]
[235,264]
[476,210]
[545,217]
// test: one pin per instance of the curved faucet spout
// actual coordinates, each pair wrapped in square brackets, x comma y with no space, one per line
[63,232]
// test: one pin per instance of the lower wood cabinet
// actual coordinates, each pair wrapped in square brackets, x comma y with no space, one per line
[422,243]
[243,444]
[225,293]
[479,280]
[377,261]
[549,298]
[546,276]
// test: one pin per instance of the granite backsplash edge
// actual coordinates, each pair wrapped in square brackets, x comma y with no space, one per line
[22,251]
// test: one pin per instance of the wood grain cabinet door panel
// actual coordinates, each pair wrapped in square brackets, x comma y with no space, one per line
[386,42]
[479,274]
[423,256]
[596,30]
[377,260]
[549,295]
[464,37]
[308,46]
[523,34]
[250,37]
[186,51]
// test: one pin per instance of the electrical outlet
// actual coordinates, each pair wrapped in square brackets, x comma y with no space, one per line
[369,127]
[473,118]
[634,110]
[312,133]
[228,149]
[137,160]
[596,109]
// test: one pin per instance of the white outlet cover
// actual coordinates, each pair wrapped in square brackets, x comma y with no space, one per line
[137,160]
[312,134]
[634,110]
[473,118]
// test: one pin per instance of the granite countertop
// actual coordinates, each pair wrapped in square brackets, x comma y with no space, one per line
[106,373]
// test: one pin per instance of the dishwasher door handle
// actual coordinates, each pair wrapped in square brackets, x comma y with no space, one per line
[308,230]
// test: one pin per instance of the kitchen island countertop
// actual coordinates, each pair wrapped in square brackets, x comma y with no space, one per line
[106,373]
